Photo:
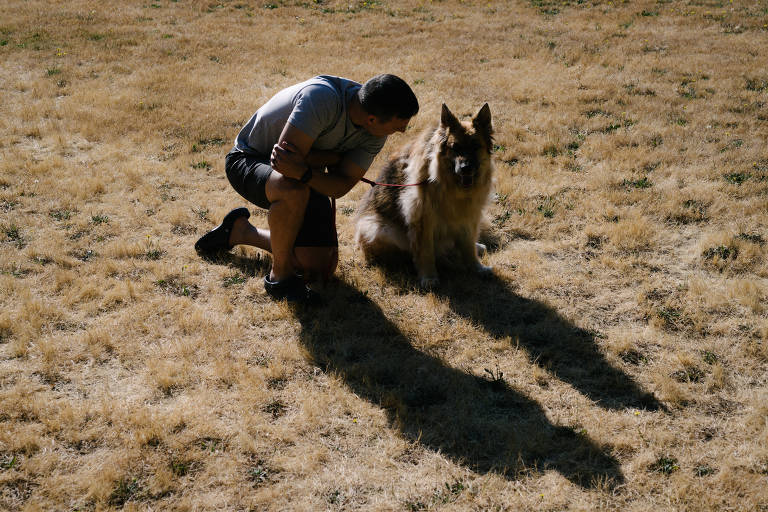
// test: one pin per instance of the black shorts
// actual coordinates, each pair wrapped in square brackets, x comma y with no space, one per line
[248,175]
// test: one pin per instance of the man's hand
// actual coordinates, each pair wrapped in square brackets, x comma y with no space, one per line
[287,160]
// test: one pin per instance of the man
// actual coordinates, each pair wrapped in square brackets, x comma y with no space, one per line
[310,142]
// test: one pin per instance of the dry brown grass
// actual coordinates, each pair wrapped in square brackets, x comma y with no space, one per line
[617,358]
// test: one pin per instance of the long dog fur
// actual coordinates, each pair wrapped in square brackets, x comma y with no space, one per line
[440,218]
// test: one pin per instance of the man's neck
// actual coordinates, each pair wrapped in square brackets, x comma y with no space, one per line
[357,115]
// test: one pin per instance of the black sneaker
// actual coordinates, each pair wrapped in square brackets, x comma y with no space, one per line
[217,239]
[292,289]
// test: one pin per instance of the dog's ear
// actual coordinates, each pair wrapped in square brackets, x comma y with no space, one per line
[482,124]
[447,119]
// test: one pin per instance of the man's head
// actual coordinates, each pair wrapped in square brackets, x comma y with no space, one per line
[389,103]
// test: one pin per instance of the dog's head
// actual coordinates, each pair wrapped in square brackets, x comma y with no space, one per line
[467,145]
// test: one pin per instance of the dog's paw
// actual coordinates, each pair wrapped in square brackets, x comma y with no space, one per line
[483,269]
[481,249]
[428,282]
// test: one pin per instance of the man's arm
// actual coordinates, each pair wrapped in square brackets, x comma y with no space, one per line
[317,158]
[289,155]
[292,156]
[339,180]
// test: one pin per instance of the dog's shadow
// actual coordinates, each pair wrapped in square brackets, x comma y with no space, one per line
[481,423]
[568,352]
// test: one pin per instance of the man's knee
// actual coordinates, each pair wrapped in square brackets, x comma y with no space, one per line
[280,188]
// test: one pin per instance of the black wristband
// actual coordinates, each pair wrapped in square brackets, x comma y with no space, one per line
[306,176]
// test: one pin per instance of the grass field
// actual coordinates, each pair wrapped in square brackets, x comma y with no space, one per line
[617,359]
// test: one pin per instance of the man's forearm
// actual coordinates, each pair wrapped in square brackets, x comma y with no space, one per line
[323,158]
[331,184]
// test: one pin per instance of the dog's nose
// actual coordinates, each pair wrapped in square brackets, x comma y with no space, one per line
[466,168]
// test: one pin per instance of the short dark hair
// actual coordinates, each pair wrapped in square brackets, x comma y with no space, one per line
[386,96]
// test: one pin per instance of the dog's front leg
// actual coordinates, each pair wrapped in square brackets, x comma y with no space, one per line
[471,251]
[422,240]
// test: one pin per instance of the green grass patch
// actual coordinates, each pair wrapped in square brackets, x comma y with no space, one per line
[709,357]
[259,473]
[8,205]
[737,178]
[670,316]
[60,214]
[752,238]
[124,490]
[757,84]
[550,150]
[611,128]
[734,144]
[201,213]
[641,183]
[547,207]
[665,465]
[704,470]
[9,463]
[234,279]
[688,374]
[180,468]
[723,252]
[13,234]
[178,286]
[633,356]
[597,112]
[500,219]
[207,143]
[154,254]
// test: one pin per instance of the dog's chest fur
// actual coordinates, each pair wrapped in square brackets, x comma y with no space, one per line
[430,192]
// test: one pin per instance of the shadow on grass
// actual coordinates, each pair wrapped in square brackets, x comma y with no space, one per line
[568,352]
[483,424]
[565,350]
[248,266]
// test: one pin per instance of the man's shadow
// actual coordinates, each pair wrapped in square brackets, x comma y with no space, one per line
[479,422]
[570,353]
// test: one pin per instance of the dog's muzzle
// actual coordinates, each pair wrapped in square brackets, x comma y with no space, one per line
[466,174]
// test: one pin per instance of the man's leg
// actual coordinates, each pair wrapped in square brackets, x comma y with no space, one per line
[245,233]
[313,262]
[317,263]
[309,249]
[289,201]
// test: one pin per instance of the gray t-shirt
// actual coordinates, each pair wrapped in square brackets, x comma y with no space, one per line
[317,107]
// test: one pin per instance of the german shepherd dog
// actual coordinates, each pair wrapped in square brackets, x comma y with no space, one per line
[440,215]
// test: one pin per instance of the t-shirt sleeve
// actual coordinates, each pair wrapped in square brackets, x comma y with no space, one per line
[363,155]
[315,109]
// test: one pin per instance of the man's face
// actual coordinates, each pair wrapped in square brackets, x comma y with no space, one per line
[379,128]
